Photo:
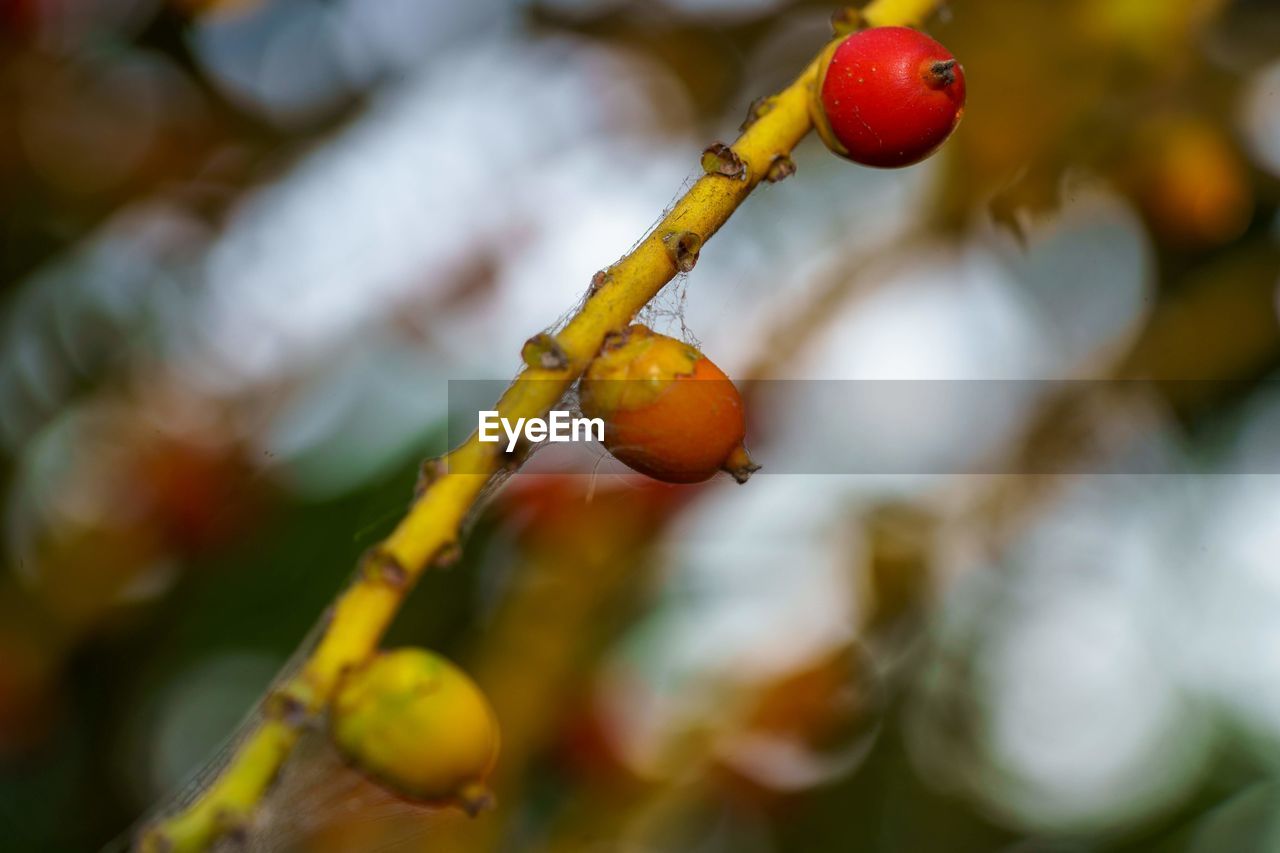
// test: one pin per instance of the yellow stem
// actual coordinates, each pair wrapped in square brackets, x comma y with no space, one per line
[901,13]
[428,533]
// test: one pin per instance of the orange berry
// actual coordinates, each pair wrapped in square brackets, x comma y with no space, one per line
[669,413]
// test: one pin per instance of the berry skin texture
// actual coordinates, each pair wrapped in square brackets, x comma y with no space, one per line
[669,413]
[887,97]
[419,726]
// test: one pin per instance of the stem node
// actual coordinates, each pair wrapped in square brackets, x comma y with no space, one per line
[780,169]
[683,248]
[847,20]
[382,567]
[599,280]
[543,351]
[720,159]
[446,556]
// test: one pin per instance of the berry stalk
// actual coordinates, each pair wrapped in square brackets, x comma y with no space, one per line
[428,535]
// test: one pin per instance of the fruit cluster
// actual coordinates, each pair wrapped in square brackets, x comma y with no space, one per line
[884,97]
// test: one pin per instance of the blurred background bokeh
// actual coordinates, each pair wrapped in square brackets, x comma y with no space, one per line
[246,243]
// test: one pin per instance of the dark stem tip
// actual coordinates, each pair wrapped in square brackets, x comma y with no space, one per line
[942,73]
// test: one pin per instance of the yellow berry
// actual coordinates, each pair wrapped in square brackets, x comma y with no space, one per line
[419,725]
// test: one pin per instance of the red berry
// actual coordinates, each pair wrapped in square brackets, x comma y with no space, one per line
[668,412]
[888,96]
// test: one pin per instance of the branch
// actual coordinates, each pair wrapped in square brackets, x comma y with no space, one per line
[428,535]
